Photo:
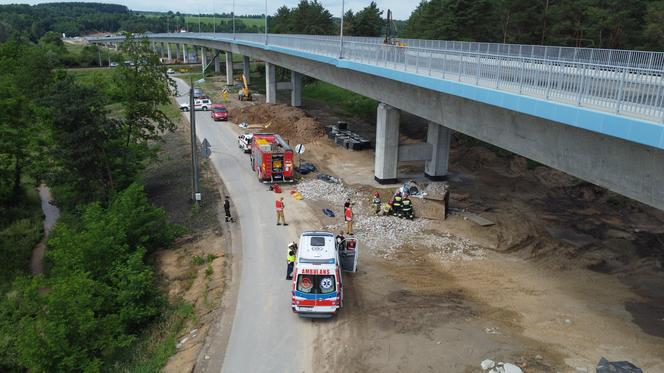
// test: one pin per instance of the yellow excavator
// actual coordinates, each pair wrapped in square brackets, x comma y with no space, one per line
[244,94]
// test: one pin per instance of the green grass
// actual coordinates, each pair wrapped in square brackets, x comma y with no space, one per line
[341,100]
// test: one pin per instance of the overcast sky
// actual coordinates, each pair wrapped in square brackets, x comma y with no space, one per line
[400,8]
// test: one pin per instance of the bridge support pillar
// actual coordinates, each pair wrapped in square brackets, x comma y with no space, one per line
[229,68]
[177,52]
[217,61]
[169,55]
[296,89]
[203,59]
[184,53]
[387,144]
[270,84]
[439,137]
[246,67]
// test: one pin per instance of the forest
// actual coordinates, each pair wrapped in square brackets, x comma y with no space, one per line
[619,24]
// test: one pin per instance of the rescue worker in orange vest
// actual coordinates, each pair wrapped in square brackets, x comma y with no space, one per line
[290,260]
[396,204]
[348,217]
[280,211]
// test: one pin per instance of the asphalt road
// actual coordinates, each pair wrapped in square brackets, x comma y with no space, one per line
[266,336]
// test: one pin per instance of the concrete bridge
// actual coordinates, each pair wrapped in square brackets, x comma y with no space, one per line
[592,113]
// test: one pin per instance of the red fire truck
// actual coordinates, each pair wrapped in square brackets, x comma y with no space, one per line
[271,158]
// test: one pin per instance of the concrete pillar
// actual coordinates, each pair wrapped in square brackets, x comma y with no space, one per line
[246,67]
[162,51]
[387,144]
[270,84]
[168,53]
[229,68]
[217,62]
[296,89]
[184,53]
[439,137]
[177,52]
[203,58]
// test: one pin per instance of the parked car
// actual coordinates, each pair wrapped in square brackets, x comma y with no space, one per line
[170,71]
[199,104]
[244,142]
[219,112]
[198,93]
[113,64]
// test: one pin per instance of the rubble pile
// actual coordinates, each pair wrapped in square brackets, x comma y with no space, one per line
[385,234]
[316,189]
[435,189]
[451,248]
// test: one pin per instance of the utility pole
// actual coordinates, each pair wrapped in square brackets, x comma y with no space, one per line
[265,22]
[341,33]
[233,19]
[194,148]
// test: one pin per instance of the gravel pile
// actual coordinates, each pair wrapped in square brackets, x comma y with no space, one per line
[316,189]
[383,235]
[451,248]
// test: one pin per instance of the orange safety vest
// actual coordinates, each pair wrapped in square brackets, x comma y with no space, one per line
[349,214]
[279,205]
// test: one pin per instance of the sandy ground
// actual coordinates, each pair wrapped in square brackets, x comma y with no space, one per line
[569,272]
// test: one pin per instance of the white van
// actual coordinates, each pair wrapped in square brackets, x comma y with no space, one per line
[317,281]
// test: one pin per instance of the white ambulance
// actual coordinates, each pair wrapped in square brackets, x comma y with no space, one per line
[318,289]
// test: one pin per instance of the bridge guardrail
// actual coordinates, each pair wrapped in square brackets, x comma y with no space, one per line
[600,79]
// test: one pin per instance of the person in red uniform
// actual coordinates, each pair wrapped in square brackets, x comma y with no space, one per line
[348,217]
[279,205]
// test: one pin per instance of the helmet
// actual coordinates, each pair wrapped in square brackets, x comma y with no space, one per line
[292,244]
[376,194]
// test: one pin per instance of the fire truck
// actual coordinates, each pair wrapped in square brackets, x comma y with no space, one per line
[271,158]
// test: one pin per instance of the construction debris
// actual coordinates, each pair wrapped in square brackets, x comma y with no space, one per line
[316,189]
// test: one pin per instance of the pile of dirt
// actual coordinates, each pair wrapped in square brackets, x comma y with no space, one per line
[290,122]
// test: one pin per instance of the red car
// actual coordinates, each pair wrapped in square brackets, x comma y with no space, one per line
[219,112]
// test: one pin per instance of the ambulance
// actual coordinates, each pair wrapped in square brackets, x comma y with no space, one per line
[318,287]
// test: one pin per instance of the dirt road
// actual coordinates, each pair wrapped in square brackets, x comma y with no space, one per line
[265,335]
[51,215]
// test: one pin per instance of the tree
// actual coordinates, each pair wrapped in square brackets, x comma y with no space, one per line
[654,29]
[141,89]
[309,17]
[368,21]
[87,144]
[280,22]
[24,76]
